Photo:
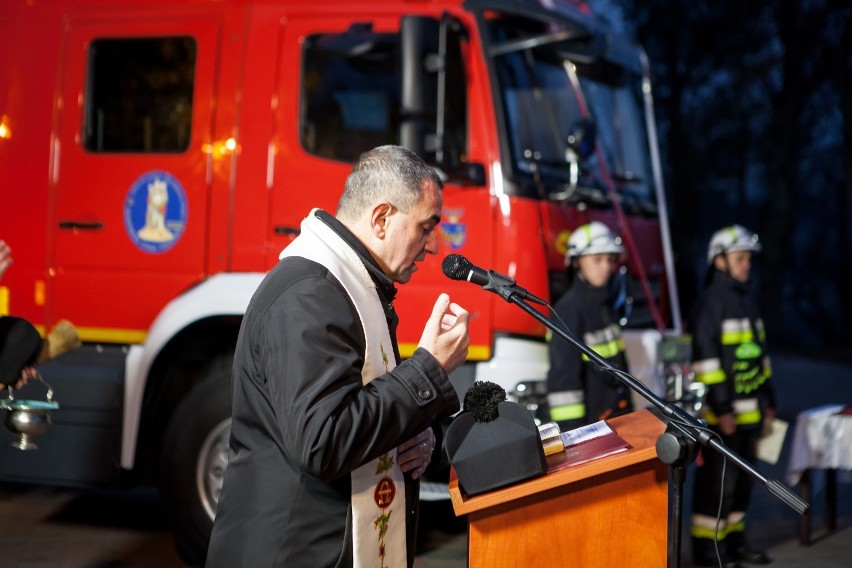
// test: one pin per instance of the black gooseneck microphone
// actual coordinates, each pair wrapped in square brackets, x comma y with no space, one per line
[457,267]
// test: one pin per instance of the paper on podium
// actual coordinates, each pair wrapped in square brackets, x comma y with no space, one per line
[769,446]
[585,444]
[585,433]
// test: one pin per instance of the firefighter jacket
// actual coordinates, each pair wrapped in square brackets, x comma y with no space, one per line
[579,392]
[729,352]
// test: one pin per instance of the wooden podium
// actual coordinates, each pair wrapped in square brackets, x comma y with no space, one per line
[611,511]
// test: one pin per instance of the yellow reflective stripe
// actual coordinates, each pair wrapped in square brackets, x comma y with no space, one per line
[736,331]
[701,532]
[737,337]
[767,366]
[704,526]
[761,331]
[752,417]
[607,350]
[568,412]
[711,377]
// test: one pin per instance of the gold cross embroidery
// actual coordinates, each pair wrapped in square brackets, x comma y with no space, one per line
[384,357]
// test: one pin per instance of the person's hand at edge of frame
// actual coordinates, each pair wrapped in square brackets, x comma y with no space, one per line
[768,418]
[727,424]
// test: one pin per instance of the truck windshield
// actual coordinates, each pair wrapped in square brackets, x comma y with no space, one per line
[546,85]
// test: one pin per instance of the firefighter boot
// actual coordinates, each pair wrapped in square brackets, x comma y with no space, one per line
[739,549]
[704,553]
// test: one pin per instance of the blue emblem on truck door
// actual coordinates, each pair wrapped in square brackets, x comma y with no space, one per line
[452,230]
[155,212]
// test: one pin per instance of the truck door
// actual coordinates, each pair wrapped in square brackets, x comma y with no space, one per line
[130,170]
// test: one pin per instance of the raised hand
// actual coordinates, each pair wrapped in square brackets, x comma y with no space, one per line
[445,335]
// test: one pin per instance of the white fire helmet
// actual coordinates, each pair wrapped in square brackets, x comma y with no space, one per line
[731,239]
[592,238]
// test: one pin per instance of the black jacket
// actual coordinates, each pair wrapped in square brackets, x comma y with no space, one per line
[729,352]
[579,392]
[302,420]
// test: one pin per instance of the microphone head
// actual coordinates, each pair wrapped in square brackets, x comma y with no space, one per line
[456,267]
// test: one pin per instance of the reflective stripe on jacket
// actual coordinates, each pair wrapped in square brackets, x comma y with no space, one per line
[729,352]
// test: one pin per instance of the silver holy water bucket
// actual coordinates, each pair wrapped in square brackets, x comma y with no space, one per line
[28,418]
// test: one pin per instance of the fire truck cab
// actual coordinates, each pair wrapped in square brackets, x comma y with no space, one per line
[155,158]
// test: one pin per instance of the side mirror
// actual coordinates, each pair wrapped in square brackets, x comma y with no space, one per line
[581,139]
[579,146]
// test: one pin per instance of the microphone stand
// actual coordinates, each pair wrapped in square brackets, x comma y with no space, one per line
[677,446]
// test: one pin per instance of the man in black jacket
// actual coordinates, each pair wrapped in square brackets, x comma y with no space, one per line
[330,428]
[729,356]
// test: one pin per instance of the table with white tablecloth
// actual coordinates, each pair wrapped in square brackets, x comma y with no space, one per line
[822,440]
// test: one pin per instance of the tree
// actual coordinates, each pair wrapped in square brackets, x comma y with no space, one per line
[755,114]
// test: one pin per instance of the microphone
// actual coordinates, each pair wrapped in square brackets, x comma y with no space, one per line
[457,267]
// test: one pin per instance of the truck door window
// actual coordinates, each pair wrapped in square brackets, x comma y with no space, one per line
[139,94]
[541,102]
[350,94]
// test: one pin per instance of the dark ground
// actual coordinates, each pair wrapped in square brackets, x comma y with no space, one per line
[52,527]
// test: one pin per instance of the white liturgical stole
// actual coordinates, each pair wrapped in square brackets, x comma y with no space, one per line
[378,487]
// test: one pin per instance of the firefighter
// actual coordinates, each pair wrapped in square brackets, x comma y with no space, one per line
[729,356]
[579,392]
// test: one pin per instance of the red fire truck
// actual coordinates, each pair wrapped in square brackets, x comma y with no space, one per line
[156,156]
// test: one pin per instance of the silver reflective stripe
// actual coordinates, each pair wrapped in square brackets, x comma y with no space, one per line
[707,365]
[705,522]
[565,397]
[604,335]
[734,325]
[745,405]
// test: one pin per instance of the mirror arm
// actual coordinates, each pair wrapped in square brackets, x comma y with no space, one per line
[441,63]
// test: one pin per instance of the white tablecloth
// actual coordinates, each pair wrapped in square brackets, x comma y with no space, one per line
[822,439]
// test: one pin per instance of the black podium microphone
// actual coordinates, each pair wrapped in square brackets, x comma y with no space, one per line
[457,267]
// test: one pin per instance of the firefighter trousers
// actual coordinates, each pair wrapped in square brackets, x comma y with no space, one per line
[735,495]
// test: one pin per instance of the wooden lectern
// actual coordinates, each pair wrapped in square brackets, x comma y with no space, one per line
[611,511]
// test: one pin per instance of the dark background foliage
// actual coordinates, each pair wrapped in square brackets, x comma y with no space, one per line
[754,111]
